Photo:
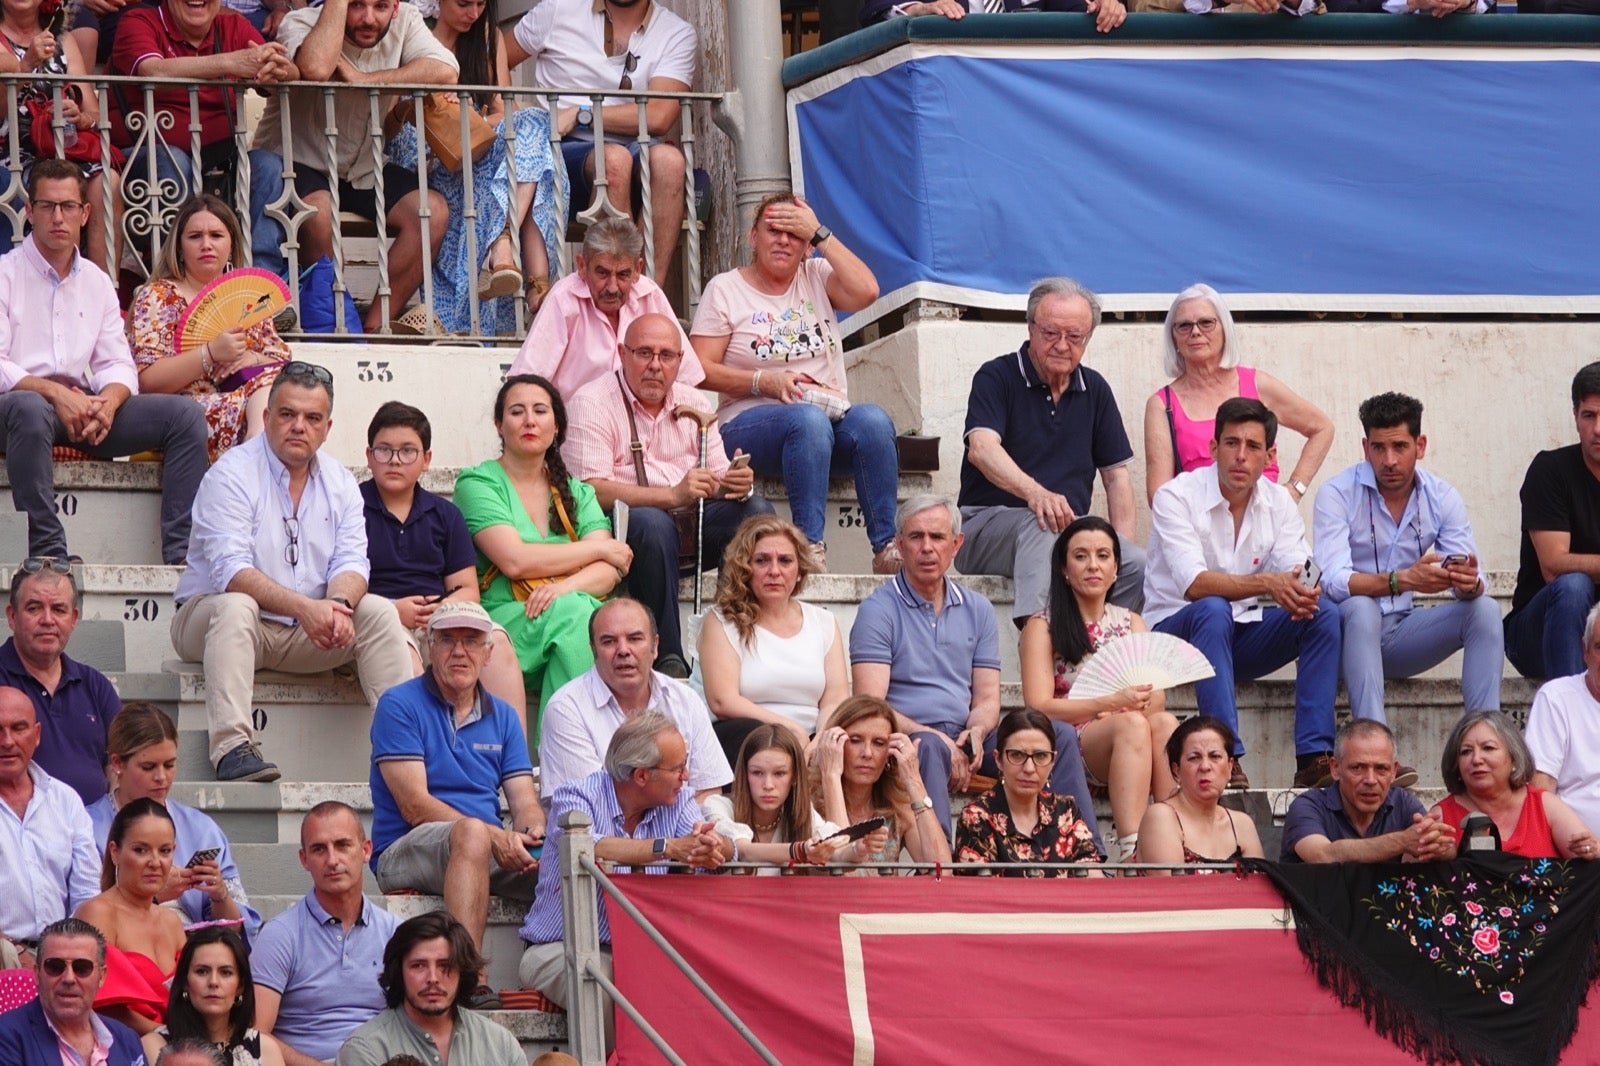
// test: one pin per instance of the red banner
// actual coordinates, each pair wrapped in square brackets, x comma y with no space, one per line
[966,970]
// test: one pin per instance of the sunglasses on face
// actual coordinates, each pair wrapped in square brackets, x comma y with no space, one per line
[82,969]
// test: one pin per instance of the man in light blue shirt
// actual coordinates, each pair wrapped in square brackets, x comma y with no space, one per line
[277,572]
[48,860]
[316,965]
[1386,530]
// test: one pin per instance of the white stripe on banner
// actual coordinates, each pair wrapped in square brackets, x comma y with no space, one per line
[854,927]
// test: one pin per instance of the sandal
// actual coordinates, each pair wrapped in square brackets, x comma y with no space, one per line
[495,282]
[420,321]
[538,289]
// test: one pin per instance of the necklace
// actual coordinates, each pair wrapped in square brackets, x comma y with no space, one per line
[769,827]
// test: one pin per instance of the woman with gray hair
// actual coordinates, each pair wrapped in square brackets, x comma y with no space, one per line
[1486,768]
[1202,357]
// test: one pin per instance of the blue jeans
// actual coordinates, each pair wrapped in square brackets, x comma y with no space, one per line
[1254,649]
[1378,645]
[1545,638]
[796,441]
[1066,774]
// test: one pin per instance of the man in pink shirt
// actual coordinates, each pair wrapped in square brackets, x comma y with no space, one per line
[637,402]
[67,377]
[575,336]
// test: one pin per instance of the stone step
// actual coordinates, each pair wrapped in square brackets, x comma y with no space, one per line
[111,510]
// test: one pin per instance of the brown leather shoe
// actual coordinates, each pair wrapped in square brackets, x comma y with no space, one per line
[1405,777]
[1315,774]
[1238,779]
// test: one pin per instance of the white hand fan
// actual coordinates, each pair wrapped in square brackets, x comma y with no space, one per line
[1140,659]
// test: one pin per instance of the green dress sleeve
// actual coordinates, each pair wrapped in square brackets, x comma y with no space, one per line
[483,497]
[590,517]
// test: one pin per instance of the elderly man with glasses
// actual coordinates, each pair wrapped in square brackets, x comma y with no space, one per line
[636,450]
[277,572]
[61,1025]
[1040,424]
[443,748]
[67,376]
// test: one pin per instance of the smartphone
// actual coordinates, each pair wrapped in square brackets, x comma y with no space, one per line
[1455,559]
[203,855]
[740,461]
[1310,574]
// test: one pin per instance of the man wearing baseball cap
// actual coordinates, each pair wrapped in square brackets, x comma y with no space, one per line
[442,749]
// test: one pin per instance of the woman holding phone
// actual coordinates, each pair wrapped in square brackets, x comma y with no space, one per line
[143,748]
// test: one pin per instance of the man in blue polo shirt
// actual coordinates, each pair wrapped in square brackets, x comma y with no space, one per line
[1039,425]
[74,703]
[1362,816]
[442,749]
[316,965]
[418,544]
[932,649]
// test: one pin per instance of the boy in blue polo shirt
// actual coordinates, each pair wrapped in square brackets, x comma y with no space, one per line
[418,544]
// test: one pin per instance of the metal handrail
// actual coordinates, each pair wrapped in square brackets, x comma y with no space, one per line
[139,216]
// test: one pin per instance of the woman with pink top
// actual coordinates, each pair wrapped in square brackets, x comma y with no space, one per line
[1203,353]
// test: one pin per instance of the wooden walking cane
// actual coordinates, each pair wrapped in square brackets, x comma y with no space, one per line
[703,419]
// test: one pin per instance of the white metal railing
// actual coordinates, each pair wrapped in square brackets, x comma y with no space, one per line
[136,214]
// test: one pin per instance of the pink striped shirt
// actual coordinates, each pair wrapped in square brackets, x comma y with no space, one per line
[671,445]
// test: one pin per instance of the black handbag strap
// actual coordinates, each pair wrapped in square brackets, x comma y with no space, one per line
[1172,428]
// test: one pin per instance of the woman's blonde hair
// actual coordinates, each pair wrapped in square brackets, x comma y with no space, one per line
[888,794]
[735,598]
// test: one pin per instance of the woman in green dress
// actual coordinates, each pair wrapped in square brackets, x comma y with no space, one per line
[545,550]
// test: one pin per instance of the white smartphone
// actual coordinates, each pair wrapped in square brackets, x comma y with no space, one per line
[1310,574]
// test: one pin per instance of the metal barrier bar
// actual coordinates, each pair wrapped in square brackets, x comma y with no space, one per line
[155,181]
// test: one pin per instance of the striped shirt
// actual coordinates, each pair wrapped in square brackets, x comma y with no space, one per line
[597,795]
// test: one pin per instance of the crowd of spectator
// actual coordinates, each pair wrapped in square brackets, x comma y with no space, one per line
[537,611]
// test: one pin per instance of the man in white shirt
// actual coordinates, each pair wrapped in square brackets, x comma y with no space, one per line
[356,43]
[584,714]
[277,572]
[1227,556]
[67,377]
[633,45]
[50,862]
[1563,731]
[1372,522]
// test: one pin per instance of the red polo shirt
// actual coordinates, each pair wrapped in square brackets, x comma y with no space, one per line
[145,32]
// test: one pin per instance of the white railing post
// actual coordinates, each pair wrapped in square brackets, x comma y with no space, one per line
[753,113]
[580,917]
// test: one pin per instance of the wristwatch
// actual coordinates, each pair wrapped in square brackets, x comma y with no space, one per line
[1299,486]
[923,804]
[658,848]
[822,234]
[341,599]
[585,118]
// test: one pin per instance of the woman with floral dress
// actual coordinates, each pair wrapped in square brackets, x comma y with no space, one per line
[230,375]
[1121,734]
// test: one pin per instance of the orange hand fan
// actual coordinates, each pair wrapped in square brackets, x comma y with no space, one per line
[235,300]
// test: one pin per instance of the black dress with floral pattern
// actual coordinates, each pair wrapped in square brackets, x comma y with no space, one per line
[985,833]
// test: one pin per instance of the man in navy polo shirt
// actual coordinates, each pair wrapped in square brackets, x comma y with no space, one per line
[418,544]
[931,648]
[74,703]
[1362,817]
[442,749]
[1039,425]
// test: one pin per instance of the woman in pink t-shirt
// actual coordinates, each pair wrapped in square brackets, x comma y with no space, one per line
[1203,359]
[768,339]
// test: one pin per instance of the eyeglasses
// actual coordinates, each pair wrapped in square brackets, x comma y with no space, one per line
[674,771]
[445,640]
[405,456]
[629,63]
[291,551]
[65,207]
[1016,757]
[298,369]
[82,969]
[1053,337]
[647,356]
[34,564]
[1204,325]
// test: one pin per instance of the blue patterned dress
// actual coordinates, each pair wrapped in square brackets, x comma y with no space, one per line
[456,269]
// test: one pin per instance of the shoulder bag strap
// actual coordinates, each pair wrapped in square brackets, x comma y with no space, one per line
[633,435]
[1172,428]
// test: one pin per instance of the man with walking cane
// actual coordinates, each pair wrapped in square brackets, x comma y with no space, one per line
[648,443]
